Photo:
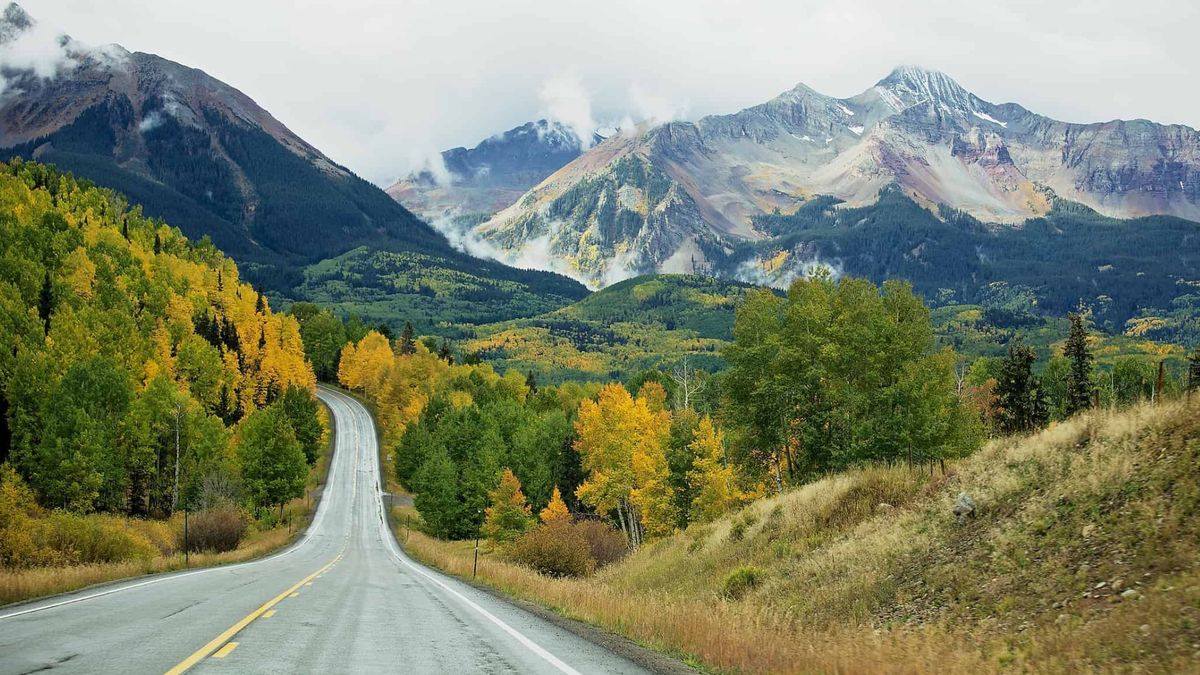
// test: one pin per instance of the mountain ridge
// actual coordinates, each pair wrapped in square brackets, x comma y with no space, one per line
[915,128]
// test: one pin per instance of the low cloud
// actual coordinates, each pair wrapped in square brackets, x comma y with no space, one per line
[34,48]
[565,100]
[756,271]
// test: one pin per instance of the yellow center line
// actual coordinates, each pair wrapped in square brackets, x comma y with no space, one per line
[226,650]
[221,639]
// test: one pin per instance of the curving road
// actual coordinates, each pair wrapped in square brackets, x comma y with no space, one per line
[344,598]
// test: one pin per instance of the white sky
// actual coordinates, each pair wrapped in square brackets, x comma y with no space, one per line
[379,86]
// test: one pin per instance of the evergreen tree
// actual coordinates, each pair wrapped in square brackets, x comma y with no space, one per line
[1022,405]
[445,354]
[125,228]
[1193,382]
[46,301]
[408,344]
[1079,381]
[157,244]
[260,305]
[531,382]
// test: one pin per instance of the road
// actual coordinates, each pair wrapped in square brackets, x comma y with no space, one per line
[344,598]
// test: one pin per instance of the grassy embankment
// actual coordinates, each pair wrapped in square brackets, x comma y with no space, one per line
[1083,556]
[146,546]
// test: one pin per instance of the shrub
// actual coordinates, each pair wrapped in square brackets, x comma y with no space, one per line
[606,544]
[744,522]
[740,581]
[557,549]
[95,538]
[21,540]
[218,529]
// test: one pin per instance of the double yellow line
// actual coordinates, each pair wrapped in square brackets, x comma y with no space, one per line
[221,639]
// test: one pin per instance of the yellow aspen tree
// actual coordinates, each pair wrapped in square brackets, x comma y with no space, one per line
[714,481]
[509,515]
[556,510]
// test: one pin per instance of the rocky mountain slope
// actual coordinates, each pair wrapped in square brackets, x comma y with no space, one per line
[678,196]
[475,183]
[206,158]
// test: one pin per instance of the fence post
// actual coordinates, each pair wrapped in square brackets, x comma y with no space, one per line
[185,538]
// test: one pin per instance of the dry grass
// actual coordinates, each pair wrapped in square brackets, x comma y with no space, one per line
[869,572]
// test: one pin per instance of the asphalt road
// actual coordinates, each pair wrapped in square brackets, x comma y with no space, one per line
[343,599]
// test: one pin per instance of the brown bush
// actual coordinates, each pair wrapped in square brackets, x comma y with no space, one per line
[557,549]
[217,529]
[606,544]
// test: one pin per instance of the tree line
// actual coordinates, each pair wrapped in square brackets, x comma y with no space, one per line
[138,375]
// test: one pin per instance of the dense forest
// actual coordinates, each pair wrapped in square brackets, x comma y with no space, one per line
[138,374]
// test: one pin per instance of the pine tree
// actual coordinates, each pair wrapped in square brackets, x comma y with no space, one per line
[46,301]
[1194,370]
[125,228]
[407,343]
[260,305]
[1079,381]
[157,244]
[531,383]
[445,354]
[1022,407]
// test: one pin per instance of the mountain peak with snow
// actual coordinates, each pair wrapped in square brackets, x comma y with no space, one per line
[907,86]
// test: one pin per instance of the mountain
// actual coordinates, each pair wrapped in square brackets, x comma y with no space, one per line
[479,181]
[679,196]
[206,158]
[192,150]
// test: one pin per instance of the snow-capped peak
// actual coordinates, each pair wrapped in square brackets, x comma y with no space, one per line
[909,85]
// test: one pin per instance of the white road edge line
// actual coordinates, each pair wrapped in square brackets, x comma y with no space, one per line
[390,539]
[321,508]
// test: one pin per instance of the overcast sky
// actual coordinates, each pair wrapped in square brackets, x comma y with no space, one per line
[380,86]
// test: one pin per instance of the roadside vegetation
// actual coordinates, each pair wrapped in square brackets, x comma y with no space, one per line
[138,379]
[1078,556]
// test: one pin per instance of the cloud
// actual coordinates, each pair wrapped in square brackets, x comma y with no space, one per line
[651,106]
[565,100]
[36,49]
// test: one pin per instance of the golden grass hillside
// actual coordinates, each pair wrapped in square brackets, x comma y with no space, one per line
[1082,557]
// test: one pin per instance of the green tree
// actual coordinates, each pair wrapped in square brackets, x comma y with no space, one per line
[437,500]
[46,302]
[1020,399]
[1079,384]
[301,407]
[323,335]
[273,466]
[79,461]
[838,373]
[1193,382]
[408,343]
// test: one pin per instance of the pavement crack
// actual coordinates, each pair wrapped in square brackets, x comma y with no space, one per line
[180,610]
[50,666]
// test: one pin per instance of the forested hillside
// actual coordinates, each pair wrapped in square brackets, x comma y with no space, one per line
[138,374]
